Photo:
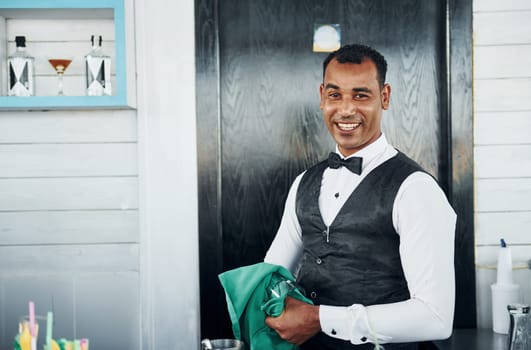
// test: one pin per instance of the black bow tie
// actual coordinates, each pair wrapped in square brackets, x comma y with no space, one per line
[353,163]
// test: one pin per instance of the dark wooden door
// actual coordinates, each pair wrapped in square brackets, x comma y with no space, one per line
[259,123]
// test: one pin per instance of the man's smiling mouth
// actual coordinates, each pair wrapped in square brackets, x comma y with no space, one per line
[347,126]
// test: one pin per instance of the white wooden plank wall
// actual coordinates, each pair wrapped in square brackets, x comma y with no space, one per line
[502,142]
[61,38]
[69,232]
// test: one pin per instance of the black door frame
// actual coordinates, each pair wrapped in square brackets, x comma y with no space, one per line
[459,143]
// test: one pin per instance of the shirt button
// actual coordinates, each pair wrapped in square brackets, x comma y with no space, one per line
[313,295]
[363,339]
[318,261]
[333,332]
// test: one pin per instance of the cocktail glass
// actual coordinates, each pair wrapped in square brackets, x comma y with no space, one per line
[60,65]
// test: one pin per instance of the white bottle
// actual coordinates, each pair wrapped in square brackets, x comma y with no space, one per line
[504,291]
[20,70]
[97,70]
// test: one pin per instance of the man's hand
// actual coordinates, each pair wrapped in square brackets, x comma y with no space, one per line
[298,322]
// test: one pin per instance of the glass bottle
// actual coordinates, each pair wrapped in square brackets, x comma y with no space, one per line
[20,70]
[97,70]
[517,339]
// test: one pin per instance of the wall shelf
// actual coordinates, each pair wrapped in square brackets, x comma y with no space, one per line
[34,12]
[62,102]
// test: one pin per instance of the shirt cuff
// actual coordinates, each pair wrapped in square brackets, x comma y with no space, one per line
[349,323]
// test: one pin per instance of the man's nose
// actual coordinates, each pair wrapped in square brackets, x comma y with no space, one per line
[347,108]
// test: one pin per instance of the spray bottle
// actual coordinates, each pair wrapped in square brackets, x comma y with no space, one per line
[504,291]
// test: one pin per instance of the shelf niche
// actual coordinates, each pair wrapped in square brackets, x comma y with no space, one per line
[63,28]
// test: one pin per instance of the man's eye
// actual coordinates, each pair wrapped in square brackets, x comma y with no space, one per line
[333,95]
[360,96]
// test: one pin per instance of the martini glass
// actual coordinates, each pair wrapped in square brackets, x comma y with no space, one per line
[60,65]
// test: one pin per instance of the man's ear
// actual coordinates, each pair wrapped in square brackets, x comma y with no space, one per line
[386,96]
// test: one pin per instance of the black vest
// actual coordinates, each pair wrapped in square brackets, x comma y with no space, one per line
[356,260]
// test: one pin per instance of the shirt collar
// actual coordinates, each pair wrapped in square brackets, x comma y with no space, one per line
[369,152]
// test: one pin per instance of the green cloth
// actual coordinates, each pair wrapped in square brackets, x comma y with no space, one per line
[254,292]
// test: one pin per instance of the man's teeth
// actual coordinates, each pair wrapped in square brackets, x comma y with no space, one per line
[348,126]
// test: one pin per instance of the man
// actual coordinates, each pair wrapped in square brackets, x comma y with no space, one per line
[372,246]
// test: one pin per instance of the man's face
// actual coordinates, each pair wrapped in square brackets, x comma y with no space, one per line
[352,104]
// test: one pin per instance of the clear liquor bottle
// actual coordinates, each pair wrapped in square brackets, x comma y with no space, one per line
[97,70]
[20,68]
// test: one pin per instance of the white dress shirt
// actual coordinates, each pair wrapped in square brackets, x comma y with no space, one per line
[425,222]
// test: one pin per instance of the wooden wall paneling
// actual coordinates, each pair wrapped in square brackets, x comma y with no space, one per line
[502,128]
[502,95]
[69,227]
[50,292]
[501,136]
[415,122]
[298,136]
[68,193]
[487,28]
[236,88]
[3,337]
[24,259]
[491,226]
[485,277]
[68,126]
[209,180]
[106,307]
[47,37]
[56,160]
[495,5]
[503,194]
[488,255]
[462,157]
[53,30]
[503,161]
[257,151]
[113,319]
[507,61]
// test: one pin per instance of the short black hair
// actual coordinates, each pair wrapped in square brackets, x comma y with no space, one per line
[357,53]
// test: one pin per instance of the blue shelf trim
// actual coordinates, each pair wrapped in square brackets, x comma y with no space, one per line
[117,100]
[59,4]
[64,102]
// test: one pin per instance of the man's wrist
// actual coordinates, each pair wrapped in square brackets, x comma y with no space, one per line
[315,319]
